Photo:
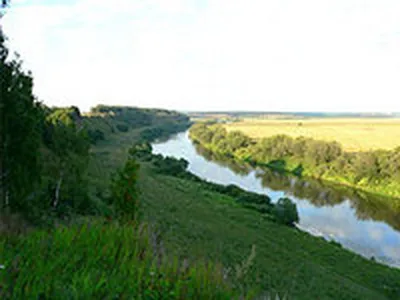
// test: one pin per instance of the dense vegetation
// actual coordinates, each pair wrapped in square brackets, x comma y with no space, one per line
[104,121]
[44,151]
[377,171]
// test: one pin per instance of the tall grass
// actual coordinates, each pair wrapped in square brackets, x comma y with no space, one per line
[102,261]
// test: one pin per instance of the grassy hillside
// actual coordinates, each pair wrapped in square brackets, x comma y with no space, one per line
[92,257]
[190,226]
[102,260]
[354,134]
[195,223]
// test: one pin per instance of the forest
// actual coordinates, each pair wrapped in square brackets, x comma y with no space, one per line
[377,171]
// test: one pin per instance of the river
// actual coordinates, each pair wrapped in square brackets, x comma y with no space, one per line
[359,221]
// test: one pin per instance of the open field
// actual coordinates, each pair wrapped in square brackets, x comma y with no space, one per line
[356,134]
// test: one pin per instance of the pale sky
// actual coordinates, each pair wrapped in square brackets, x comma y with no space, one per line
[281,55]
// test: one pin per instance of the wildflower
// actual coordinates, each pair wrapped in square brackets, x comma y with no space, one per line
[2,267]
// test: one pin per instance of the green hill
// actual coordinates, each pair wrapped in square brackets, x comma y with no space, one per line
[196,223]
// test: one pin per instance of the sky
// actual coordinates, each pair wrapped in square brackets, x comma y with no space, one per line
[191,55]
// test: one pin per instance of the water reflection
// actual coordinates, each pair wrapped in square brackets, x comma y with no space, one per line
[359,221]
[367,206]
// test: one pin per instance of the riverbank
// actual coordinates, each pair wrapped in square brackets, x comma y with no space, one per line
[199,224]
[307,158]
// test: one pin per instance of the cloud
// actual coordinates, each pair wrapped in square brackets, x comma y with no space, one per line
[236,54]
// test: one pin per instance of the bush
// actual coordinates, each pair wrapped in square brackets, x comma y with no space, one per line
[95,136]
[142,151]
[124,191]
[170,165]
[122,127]
[285,212]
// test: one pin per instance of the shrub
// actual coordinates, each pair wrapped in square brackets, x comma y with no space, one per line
[122,127]
[285,212]
[95,136]
[124,191]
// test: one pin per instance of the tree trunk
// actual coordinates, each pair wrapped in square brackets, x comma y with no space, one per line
[57,192]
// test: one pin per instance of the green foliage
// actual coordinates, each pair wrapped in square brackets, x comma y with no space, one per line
[44,152]
[65,161]
[372,170]
[155,123]
[124,191]
[102,261]
[122,127]
[137,117]
[286,212]
[96,135]
[20,134]
[170,165]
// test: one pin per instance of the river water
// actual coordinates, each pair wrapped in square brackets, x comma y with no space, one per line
[360,222]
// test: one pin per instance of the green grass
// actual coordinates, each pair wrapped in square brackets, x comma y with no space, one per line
[102,261]
[207,225]
[201,225]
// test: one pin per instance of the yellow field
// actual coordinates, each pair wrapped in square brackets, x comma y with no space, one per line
[354,134]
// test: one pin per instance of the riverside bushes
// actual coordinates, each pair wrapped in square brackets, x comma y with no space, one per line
[377,170]
[284,211]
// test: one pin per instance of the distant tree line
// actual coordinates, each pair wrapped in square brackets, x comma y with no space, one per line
[156,123]
[306,156]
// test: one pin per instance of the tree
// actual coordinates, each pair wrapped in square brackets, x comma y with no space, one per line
[365,165]
[66,163]
[238,140]
[124,190]
[20,133]
[219,134]
[286,211]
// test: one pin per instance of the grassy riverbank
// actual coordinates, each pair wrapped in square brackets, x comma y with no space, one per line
[199,224]
[376,171]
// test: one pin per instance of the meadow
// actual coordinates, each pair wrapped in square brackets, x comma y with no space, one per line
[355,134]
